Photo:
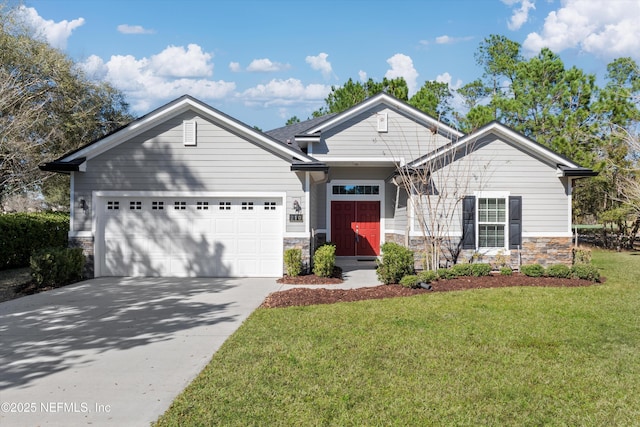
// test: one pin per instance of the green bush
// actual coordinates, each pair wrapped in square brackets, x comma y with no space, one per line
[293,261]
[57,267]
[397,262]
[581,256]
[506,271]
[480,269]
[324,260]
[446,273]
[410,281]
[462,270]
[23,233]
[586,272]
[427,276]
[532,270]
[559,270]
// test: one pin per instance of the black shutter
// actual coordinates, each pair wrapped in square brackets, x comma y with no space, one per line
[469,222]
[515,222]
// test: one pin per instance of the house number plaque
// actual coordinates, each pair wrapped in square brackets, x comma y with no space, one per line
[295,217]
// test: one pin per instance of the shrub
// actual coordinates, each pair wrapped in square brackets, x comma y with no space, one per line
[532,270]
[23,233]
[506,271]
[462,270]
[559,270]
[586,272]
[293,261]
[410,281]
[446,273]
[324,260]
[581,256]
[57,267]
[480,269]
[397,262]
[427,276]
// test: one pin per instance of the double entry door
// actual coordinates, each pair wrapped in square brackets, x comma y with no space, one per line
[355,227]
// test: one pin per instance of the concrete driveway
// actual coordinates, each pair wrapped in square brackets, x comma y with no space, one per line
[114,351]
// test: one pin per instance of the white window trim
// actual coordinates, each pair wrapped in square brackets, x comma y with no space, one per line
[492,195]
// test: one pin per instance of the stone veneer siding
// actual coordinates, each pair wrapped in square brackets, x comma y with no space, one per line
[545,251]
[300,243]
[86,243]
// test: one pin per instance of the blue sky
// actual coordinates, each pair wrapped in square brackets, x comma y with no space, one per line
[263,62]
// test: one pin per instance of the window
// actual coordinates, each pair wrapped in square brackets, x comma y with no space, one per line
[247,206]
[113,205]
[135,206]
[356,189]
[157,206]
[224,206]
[202,206]
[180,205]
[496,220]
[269,206]
[492,217]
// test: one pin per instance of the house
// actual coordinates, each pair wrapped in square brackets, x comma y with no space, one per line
[187,190]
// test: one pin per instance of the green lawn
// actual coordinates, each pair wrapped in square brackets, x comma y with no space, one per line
[519,356]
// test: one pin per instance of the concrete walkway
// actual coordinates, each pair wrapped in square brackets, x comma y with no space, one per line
[356,273]
[117,351]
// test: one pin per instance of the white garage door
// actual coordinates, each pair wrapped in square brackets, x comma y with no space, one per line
[188,237]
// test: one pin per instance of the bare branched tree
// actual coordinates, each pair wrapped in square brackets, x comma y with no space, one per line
[629,184]
[435,186]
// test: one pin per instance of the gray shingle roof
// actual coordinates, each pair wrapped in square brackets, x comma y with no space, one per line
[286,134]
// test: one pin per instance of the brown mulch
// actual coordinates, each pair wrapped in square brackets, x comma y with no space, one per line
[312,296]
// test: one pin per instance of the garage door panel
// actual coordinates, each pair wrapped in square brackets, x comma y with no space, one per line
[209,237]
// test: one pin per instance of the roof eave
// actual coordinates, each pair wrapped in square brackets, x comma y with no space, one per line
[579,172]
[76,165]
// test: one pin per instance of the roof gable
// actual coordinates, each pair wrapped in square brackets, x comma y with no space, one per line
[565,166]
[164,113]
[391,102]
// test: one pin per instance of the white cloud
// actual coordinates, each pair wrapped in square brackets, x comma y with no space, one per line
[55,33]
[265,65]
[320,63]
[606,29]
[290,89]
[446,78]
[134,29]
[362,75]
[146,82]
[176,61]
[402,66]
[444,40]
[234,67]
[448,40]
[520,15]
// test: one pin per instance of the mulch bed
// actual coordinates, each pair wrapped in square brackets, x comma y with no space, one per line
[312,296]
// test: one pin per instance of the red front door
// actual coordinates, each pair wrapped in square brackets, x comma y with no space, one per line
[355,227]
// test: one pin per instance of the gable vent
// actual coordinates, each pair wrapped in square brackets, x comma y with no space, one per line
[189,132]
[381,119]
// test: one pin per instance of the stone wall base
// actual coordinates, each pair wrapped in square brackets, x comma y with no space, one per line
[302,243]
[86,243]
[545,251]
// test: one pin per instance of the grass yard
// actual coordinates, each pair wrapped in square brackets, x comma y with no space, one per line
[515,356]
